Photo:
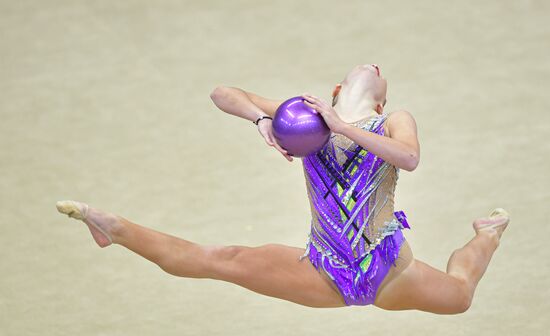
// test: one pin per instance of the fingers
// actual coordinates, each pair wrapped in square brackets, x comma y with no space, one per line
[310,100]
[284,152]
[314,102]
[269,141]
[279,148]
[313,106]
[317,108]
[313,99]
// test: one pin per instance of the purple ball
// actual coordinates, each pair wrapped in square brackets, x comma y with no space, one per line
[298,128]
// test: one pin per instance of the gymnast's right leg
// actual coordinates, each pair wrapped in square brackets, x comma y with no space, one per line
[422,287]
[272,270]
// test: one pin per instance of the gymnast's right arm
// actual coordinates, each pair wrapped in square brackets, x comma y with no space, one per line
[249,106]
[243,104]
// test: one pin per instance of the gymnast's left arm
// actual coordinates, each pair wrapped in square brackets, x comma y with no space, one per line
[400,149]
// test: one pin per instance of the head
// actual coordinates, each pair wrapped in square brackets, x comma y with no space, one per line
[362,85]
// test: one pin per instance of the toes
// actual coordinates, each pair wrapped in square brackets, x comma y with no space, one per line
[71,209]
[481,223]
[499,212]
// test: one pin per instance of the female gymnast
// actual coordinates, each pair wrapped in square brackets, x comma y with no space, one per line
[356,253]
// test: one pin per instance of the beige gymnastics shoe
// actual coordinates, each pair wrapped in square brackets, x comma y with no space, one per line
[498,220]
[99,223]
[73,209]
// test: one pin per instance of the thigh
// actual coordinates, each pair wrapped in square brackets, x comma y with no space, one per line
[275,270]
[404,259]
[422,287]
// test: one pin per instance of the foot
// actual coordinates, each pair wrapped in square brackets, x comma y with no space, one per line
[102,225]
[496,222]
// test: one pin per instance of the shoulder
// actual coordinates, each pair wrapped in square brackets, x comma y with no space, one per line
[400,115]
[400,120]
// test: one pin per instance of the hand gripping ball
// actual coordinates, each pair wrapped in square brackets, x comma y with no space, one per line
[298,128]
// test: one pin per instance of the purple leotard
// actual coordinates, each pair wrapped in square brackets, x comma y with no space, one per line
[355,234]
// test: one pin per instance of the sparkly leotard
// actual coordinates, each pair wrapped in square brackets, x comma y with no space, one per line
[355,234]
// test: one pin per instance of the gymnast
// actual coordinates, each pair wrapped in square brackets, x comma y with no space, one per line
[356,253]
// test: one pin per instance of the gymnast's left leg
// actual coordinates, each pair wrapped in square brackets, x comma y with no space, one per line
[272,270]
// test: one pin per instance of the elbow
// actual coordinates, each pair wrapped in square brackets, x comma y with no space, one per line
[218,94]
[411,162]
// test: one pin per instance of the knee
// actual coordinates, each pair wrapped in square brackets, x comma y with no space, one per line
[226,262]
[464,305]
[217,262]
[226,253]
[464,297]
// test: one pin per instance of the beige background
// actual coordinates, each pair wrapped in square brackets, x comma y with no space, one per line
[108,102]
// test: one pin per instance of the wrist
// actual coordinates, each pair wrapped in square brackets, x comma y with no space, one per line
[342,129]
[261,118]
[259,114]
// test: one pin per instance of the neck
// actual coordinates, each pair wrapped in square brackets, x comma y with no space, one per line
[351,109]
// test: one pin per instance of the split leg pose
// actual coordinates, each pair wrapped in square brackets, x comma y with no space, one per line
[275,270]
[356,252]
[272,269]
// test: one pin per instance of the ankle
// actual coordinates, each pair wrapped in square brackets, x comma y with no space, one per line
[119,231]
[491,236]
